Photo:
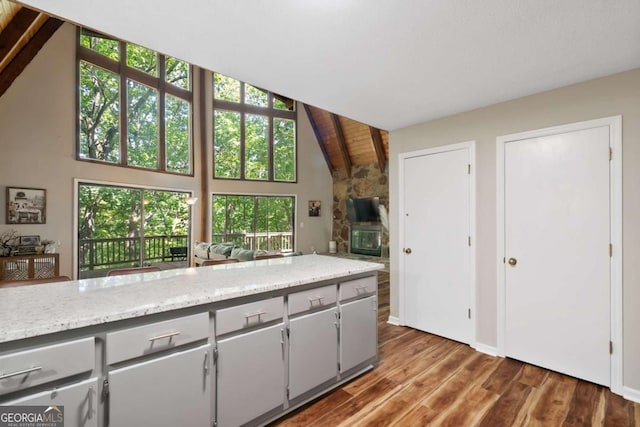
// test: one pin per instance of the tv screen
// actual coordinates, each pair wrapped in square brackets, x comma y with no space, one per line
[363,209]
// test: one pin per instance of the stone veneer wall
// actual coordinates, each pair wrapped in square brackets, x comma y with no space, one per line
[365,181]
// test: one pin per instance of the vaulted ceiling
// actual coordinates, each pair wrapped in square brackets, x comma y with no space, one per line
[344,142]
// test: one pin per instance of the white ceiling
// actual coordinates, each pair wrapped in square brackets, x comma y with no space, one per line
[387,63]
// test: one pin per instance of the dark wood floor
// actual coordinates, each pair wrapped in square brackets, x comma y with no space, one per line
[422,379]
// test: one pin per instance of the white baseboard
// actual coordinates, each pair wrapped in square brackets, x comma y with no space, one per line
[394,321]
[486,349]
[631,394]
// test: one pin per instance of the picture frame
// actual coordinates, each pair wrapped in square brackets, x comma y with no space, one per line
[26,205]
[314,207]
[29,240]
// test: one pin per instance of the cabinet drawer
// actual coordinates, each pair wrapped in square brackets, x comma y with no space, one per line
[312,299]
[358,288]
[248,315]
[134,342]
[24,369]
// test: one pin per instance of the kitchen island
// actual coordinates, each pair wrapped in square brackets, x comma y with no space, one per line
[232,344]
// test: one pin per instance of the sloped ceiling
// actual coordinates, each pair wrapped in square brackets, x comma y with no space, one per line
[22,33]
[388,63]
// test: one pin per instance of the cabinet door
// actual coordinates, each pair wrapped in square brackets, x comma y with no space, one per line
[79,401]
[173,390]
[358,332]
[250,375]
[313,351]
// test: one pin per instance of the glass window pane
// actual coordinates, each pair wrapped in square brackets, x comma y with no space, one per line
[142,125]
[177,73]
[99,114]
[165,223]
[103,45]
[142,59]
[218,217]
[109,228]
[279,104]
[226,144]
[281,223]
[284,150]
[240,220]
[226,88]
[177,135]
[255,96]
[256,147]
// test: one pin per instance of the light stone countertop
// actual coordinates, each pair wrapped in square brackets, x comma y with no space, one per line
[30,311]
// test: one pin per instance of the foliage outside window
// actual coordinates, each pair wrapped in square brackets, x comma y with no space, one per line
[254,132]
[134,106]
[125,227]
[255,221]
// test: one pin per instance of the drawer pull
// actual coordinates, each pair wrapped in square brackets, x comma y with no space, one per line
[15,374]
[160,337]
[317,300]
[247,317]
[361,289]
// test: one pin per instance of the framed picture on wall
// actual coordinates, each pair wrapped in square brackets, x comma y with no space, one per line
[26,205]
[314,207]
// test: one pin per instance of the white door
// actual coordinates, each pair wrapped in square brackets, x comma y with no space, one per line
[557,266]
[437,258]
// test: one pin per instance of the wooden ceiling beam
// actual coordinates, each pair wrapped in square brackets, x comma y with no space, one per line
[316,131]
[376,137]
[342,142]
[27,53]
[15,29]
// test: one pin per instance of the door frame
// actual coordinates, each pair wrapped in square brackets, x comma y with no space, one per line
[615,229]
[470,146]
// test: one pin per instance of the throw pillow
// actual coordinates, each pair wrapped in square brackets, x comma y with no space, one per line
[242,254]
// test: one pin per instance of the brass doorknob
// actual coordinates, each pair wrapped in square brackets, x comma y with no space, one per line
[407,251]
[512,261]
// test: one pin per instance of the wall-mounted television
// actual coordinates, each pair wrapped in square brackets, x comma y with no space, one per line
[365,209]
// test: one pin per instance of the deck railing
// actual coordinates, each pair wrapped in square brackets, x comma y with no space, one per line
[269,241]
[125,251]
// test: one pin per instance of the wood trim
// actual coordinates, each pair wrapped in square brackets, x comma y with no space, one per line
[205,197]
[342,142]
[316,131]
[26,54]
[376,138]
[14,31]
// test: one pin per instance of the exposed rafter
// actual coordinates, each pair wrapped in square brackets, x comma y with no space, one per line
[342,142]
[376,137]
[316,131]
[14,31]
[27,53]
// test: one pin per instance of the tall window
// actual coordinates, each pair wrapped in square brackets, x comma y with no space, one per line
[126,227]
[254,132]
[254,222]
[134,106]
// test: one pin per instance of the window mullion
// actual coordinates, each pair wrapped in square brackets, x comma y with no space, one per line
[162,153]
[124,107]
[243,134]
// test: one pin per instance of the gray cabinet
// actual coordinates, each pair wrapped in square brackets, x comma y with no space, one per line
[358,332]
[313,350]
[79,401]
[173,390]
[251,375]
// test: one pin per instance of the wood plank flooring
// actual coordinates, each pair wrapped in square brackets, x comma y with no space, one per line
[422,379]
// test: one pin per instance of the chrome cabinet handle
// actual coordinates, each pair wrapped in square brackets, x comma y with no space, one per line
[361,289]
[315,299]
[23,372]
[169,335]
[256,314]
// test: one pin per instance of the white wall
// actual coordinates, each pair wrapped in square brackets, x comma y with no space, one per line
[609,96]
[37,149]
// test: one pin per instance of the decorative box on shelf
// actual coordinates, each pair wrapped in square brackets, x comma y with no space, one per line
[24,267]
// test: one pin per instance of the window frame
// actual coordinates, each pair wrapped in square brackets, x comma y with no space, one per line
[255,196]
[244,109]
[159,84]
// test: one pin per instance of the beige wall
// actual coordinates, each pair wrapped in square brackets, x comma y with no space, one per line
[37,146]
[609,96]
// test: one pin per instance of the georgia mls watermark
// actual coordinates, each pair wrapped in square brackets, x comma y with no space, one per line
[31,416]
